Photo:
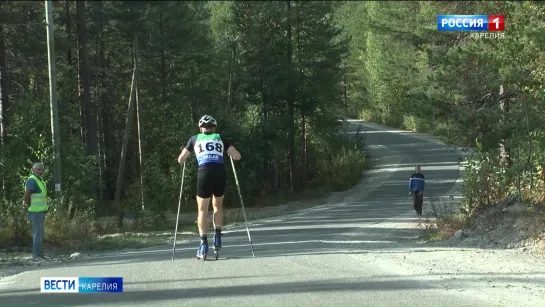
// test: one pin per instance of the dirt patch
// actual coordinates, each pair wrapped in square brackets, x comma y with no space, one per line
[509,225]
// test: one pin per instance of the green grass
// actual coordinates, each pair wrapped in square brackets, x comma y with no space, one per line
[433,235]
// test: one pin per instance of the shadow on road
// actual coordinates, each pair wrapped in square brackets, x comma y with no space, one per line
[180,289]
[182,292]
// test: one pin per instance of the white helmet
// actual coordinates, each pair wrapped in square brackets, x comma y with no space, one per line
[207,121]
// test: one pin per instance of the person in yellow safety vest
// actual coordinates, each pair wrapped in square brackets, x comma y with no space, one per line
[35,200]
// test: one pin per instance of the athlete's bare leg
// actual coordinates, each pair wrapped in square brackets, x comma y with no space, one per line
[202,219]
[217,205]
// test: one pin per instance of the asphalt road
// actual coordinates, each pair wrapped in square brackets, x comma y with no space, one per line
[320,257]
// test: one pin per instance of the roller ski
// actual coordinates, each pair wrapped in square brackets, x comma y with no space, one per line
[217,244]
[202,251]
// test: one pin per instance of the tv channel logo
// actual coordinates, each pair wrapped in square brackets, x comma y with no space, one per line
[489,23]
[81,284]
[59,284]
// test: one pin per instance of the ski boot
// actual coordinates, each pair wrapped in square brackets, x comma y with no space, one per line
[202,251]
[217,244]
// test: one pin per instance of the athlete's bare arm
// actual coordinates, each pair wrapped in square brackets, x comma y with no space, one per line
[183,155]
[234,152]
[186,151]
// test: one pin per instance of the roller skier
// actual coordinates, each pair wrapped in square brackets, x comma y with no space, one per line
[209,148]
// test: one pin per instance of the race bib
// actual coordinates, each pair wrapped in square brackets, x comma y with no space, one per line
[209,148]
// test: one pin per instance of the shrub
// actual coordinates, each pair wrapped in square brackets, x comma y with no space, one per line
[342,167]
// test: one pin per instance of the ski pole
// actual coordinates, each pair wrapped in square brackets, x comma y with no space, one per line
[242,203]
[178,214]
[410,194]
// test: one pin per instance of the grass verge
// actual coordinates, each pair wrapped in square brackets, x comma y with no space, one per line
[445,227]
[444,219]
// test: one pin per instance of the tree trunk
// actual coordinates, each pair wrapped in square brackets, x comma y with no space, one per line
[71,65]
[265,131]
[230,86]
[345,91]
[90,121]
[140,126]
[4,91]
[530,143]
[505,151]
[193,103]
[124,149]
[4,100]
[234,84]
[291,102]
[100,102]
[68,32]
[163,58]
[304,154]
[105,111]
[107,137]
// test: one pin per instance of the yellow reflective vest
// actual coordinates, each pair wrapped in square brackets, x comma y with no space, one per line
[38,201]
